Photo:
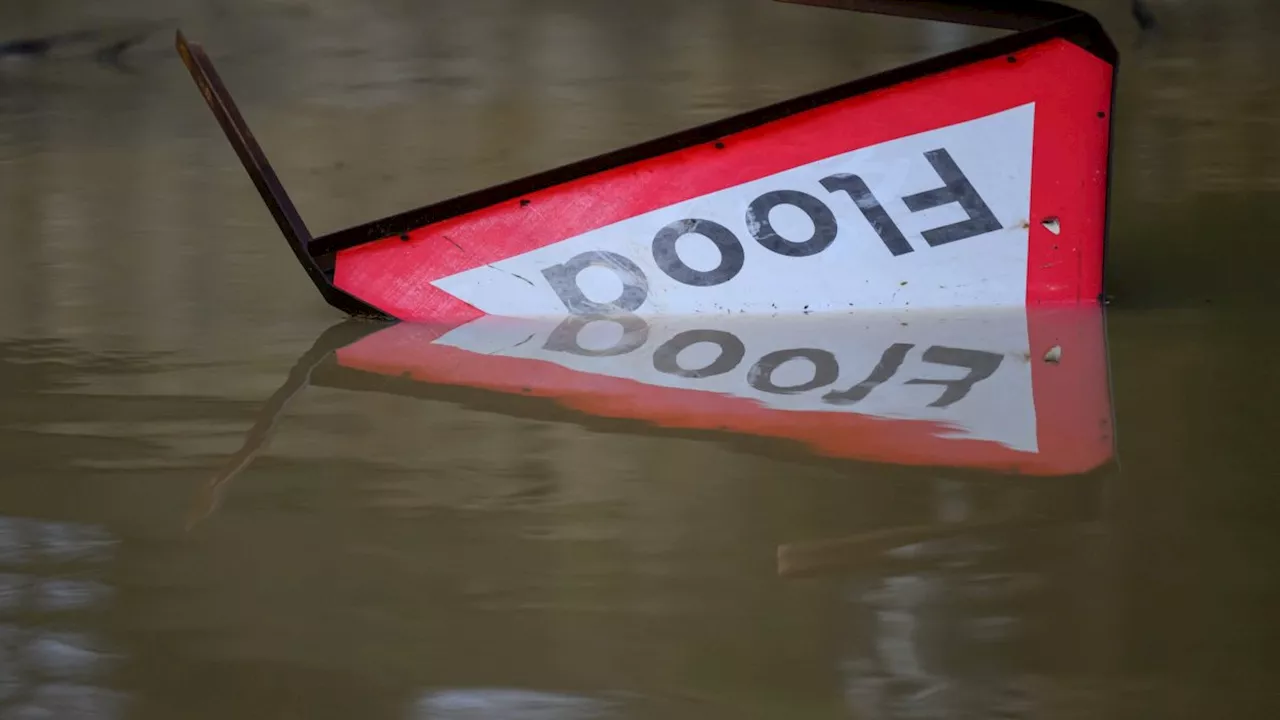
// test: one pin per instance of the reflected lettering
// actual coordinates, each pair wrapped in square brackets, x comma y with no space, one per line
[823,365]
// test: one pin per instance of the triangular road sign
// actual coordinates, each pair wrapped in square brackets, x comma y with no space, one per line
[976,178]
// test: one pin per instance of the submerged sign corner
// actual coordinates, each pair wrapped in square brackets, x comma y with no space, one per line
[976,178]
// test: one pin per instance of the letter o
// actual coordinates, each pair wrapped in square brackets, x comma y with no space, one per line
[635,332]
[825,370]
[731,254]
[824,223]
[665,358]
[563,279]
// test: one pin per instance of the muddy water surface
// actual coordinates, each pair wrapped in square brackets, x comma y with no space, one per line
[450,554]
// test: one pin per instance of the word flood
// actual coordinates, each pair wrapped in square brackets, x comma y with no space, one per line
[850,191]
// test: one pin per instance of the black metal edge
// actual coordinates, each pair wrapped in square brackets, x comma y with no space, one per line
[1078,28]
[329,373]
[264,178]
[1001,14]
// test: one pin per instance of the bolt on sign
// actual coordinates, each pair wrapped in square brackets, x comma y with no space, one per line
[973,179]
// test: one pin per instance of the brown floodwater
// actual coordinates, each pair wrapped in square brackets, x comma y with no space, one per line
[444,552]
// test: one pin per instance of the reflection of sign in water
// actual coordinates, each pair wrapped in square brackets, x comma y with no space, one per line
[908,388]
[1017,390]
